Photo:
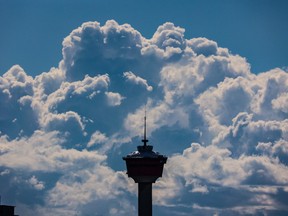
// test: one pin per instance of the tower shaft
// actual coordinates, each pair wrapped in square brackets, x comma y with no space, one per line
[144,199]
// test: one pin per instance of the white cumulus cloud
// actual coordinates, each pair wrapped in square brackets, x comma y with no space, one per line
[224,129]
[130,76]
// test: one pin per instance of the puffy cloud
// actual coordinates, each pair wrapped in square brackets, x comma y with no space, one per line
[168,35]
[210,171]
[188,78]
[35,183]
[280,103]
[65,108]
[4,172]
[43,152]
[88,87]
[278,149]
[131,77]
[203,46]
[69,122]
[47,83]
[91,48]
[97,137]
[222,102]
[167,43]
[15,111]
[114,99]
[272,90]
[64,131]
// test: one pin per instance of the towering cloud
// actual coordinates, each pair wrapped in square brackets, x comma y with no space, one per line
[224,129]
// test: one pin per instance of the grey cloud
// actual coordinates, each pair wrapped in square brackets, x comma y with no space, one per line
[203,46]
[280,103]
[168,35]
[131,77]
[188,78]
[217,173]
[271,95]
[15,88]
[92,49]
[170,41]
[43,152]
[47,83]
[223,101]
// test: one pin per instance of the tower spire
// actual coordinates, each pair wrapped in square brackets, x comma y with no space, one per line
[145,139]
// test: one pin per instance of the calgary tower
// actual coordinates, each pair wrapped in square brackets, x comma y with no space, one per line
[145,166]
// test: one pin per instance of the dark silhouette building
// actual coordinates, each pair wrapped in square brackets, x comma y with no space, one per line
[6,210]
[145,166]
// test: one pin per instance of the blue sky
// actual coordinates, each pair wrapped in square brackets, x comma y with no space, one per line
[76,77]
[254,29]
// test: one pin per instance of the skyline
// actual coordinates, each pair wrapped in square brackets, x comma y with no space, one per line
[76,83]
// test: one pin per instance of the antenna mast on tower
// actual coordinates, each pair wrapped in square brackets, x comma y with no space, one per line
[145,139]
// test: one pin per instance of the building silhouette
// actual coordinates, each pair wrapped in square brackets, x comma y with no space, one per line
[6,210]
[145,166]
